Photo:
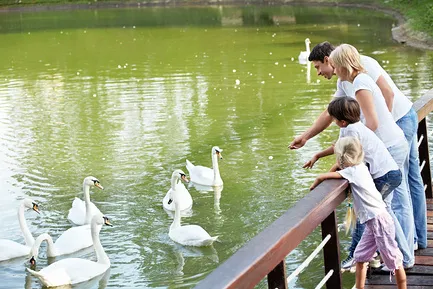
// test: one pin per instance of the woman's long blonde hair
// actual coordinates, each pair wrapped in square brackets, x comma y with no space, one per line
[346,56]
[348,151]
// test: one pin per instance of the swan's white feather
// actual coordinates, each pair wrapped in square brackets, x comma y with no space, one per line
[191,235]
[10,250]
[185,199]
[77,213]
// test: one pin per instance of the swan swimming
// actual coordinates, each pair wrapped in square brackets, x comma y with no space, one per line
[207,176]
[10,249]
[303,56]
[70,271]
[81,211]
[189,235]
[185,199]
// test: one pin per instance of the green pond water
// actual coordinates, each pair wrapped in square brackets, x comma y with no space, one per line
[127,95]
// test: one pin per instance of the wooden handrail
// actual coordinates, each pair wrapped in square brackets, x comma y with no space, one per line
[265,253]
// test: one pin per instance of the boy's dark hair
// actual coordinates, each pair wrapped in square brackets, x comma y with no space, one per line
[320,51]
[345,108]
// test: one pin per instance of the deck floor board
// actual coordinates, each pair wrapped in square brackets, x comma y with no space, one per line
[421,275]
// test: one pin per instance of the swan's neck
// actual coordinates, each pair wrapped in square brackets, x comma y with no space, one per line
[86,189]
[307,47]
[216,170]
[24,229]
[51,249]
[101,256]
[176,220]
[173,182]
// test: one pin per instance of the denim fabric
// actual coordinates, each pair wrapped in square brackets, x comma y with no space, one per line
[409,125]
[400,202]
[385,185]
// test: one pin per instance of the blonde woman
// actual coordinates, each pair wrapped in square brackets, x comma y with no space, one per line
[379,231]
[376,116]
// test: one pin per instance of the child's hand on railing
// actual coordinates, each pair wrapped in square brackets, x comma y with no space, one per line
[316,182]
[310,163]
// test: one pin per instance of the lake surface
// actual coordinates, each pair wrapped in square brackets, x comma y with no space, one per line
[127,95]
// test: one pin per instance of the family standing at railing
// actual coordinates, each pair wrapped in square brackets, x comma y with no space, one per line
[366,93]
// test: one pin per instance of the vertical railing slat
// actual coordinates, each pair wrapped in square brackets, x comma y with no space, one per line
[424,156]
[331,251]
[277,278]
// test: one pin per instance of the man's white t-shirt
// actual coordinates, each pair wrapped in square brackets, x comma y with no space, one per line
[401,104]
[387,130]
[367,201]
[376,155]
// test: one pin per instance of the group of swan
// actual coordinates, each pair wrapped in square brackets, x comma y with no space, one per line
[179,199]
[70,270]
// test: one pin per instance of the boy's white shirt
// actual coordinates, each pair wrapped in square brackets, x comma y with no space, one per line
[367,201]
[401,104]
[376,155]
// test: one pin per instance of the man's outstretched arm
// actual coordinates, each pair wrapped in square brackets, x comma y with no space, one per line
[322,122]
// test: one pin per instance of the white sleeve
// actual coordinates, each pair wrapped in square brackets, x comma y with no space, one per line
[362,81]
[347,173]
[373,68]
[340,91]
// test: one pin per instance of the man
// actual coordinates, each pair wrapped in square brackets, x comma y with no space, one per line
[403,113]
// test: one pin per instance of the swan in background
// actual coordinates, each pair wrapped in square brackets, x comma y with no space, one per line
[82,211]
[206,176]
[185,199]
[10,249]
[190,235]
[70,271]
[303,56]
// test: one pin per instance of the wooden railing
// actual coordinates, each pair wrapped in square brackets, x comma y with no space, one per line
[265,253]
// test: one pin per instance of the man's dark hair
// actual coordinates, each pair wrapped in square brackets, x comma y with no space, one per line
[320,51]
[345,108]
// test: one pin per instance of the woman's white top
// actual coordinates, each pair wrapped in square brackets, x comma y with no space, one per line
[367,201]
[377,156]
[401,104]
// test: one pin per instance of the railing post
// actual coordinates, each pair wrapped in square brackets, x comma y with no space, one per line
[424,156]
[277,278]
[331,251]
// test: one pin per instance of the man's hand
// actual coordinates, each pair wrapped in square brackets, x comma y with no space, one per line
[297,143]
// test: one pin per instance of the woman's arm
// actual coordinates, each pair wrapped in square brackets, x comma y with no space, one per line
[365,100]
[387,92]
[325,176]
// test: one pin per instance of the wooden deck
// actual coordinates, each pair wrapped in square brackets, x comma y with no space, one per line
[421,275]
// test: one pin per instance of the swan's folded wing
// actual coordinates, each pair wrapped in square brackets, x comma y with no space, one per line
[74,239]
[77,213]
[10,249]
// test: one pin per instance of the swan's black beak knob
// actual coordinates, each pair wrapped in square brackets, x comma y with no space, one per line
[170,201]
[32,261]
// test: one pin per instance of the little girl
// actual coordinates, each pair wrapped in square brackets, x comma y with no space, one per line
[386,175]
[369,208]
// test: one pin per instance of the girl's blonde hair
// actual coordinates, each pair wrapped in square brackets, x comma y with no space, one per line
[346,56]
[349,151]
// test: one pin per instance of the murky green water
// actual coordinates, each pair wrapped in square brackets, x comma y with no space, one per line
[127,95]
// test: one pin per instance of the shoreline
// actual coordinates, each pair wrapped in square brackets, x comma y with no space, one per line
[401,33]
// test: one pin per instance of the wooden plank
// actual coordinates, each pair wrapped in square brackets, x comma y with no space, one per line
[424,105]
[429,235]
[424,260]
[411,280]
[429,213]
[424,252]
[331,251]
[429,220]
[252,262]
[430,243]
[430,227]
[416,270]
[429,201]
[429,206]
[395,287]
[277,278]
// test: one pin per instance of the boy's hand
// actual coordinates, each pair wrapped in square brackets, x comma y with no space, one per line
[310,163]
[316,182]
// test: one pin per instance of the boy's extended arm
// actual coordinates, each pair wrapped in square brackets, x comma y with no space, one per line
[321,123]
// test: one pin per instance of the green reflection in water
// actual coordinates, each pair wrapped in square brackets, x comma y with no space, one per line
[126,95]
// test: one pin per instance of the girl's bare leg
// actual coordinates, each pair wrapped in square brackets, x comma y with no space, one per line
[361,273]
[400,275]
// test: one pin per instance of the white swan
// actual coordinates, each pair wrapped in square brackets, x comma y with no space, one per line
[190,235]
[10,249]
[303,56]
[82,211]
[76,270]
[185,199]
[206,176]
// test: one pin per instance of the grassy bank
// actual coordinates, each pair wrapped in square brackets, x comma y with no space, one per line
[418,13]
